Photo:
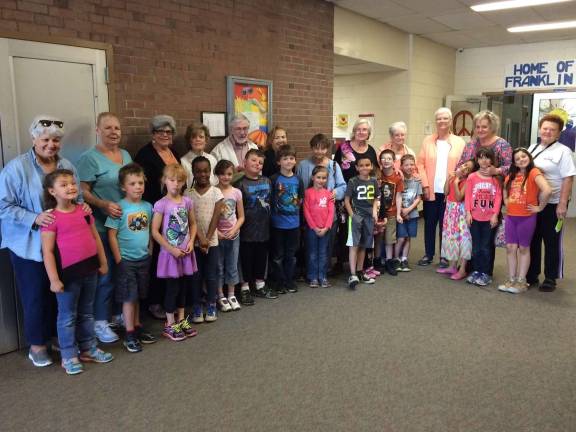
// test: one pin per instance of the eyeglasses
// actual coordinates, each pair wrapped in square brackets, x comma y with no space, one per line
[48,123]
[164,132]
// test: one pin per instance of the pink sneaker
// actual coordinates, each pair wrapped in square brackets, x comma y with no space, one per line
[372,272]
[458,276]
[447,270]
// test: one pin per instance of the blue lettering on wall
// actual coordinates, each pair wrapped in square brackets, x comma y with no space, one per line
[541,74]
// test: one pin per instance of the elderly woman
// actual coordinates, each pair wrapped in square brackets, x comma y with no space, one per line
[237,144]
[153,157]
[397,143]
[276,138]
[555,161]
[197,136]
[357,145]
[98,169]
[437,158]
[22,214]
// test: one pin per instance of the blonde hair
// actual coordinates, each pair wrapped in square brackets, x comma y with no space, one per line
[174,170]
[491,117]
[357,124]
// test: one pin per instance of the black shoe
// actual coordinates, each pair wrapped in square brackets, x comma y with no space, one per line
[532,282]
[391,267]
[246,298]
[548,285]
[267,293]
[425,261]
[444,263]
[132,344]
[282,290]
[144,337]
[292,288]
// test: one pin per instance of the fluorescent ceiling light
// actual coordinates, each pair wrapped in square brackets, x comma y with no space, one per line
[511,4]
[539,27]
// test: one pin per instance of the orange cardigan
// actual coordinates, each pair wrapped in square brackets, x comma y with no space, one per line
[426,159]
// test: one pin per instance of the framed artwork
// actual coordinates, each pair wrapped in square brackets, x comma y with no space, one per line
[560,103]
[216,123]
[253,98]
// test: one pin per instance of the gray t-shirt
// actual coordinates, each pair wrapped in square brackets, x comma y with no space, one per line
[412,190]
[362,194]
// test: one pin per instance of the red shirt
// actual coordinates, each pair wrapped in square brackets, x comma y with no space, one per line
[520,198]
[483,197]
[318,208]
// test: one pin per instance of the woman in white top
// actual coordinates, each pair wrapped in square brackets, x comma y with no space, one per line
[197,137]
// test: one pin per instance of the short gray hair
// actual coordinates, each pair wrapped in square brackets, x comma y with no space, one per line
[238,117]
[161,121]
[394,127]
[358,123]
[36,129]
[443,110]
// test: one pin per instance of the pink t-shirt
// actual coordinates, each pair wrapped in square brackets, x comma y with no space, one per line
[74,237]
[318,208]
[483,197]
[228,219]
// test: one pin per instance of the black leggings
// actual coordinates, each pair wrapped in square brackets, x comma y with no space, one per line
[176,290]
[253,258]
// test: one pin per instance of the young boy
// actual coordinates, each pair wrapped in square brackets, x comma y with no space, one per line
[361,202]
[392,187]
[255,233]
[287,195]
[129,238]
[408,211]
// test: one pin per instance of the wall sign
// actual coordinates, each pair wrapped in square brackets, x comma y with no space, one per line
[542,74]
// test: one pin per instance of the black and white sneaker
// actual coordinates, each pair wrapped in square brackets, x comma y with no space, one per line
[364,278]
[267,293]
[353,281]
[246,298]
[132,344]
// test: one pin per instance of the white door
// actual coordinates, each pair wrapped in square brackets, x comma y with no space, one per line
[42,78]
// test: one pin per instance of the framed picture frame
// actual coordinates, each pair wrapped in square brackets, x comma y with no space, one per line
[216,123]
[253,98]
[561,103]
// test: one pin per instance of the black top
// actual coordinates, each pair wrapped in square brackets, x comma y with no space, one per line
[270,167]
[256,196]
[350,171]
[153,165]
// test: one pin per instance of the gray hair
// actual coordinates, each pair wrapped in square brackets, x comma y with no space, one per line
[161,121]
[443,110]
[238,117]
[36,129]
[394,127]
[491,117]
[359,122]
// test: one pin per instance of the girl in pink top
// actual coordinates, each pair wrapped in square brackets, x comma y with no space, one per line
[319,214]
[73,238]
[482,202]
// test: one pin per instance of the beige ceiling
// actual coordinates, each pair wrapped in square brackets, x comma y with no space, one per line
[453,23]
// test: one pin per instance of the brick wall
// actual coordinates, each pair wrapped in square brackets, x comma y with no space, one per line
[172,56]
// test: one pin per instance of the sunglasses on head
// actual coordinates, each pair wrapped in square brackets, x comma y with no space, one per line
[48,123]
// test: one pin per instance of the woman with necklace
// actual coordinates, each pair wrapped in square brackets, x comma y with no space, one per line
[349,151]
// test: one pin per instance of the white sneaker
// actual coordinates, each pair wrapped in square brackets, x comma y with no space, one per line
[234,303]
[224,304]
[104,333]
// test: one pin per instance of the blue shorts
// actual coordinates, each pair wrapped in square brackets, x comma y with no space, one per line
[407,229]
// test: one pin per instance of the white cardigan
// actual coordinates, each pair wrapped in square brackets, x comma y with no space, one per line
[225,150]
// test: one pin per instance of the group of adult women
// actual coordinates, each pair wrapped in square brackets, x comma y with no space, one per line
[22,212]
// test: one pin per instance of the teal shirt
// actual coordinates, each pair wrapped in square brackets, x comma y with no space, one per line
[102,174]
[133,229]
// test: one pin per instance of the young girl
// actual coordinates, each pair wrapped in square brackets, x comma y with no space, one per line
[319,214]
[174,228]
[526,193]
[483,199]
[73,276]
[229,223]
[208,202]
[456,238]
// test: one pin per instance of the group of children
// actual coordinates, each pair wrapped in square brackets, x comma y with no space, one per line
[214,239]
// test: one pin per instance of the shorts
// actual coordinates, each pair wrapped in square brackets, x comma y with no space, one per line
[360,231]
[407,229]
[132,280]
[519,229]
[390,234]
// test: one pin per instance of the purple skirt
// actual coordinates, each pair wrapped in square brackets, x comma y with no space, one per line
[170,267]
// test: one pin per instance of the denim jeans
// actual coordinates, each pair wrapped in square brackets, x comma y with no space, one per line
[207,275]
[75,321]
[105,287]
[482,245]
[317,253]
[228,262]
[433,217]
[284,247]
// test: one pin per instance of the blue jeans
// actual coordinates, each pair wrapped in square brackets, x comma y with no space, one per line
[75,321]
[433,217]
[105,287]
[228,262]
[284,247]
[482,246]
[207,275]
[317,255]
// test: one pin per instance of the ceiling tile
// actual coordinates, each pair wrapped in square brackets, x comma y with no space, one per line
[433,6]
[465,20]
[454,39]
[556,12]
[418,24]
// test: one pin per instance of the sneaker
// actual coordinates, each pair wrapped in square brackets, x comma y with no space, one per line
[446,270]
[519,287]
[132,344]
[483,280]
[472,278]
[425,261]
[224,304]
[353,281]
[117,322]
[292,288]
[548,285]
[72,366]
[197,314]
[246,297]
[364,278]
[234,303]
[267,293]
[186,327]
[404,267]
[281,289]
[211,315]
[506,285]
[144,337]
[325,283]
[443,263]
[314,284]
[157,312]
[104,333]
[40,358]
[174,332]
[96,355]
[391,267]
[372,272]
